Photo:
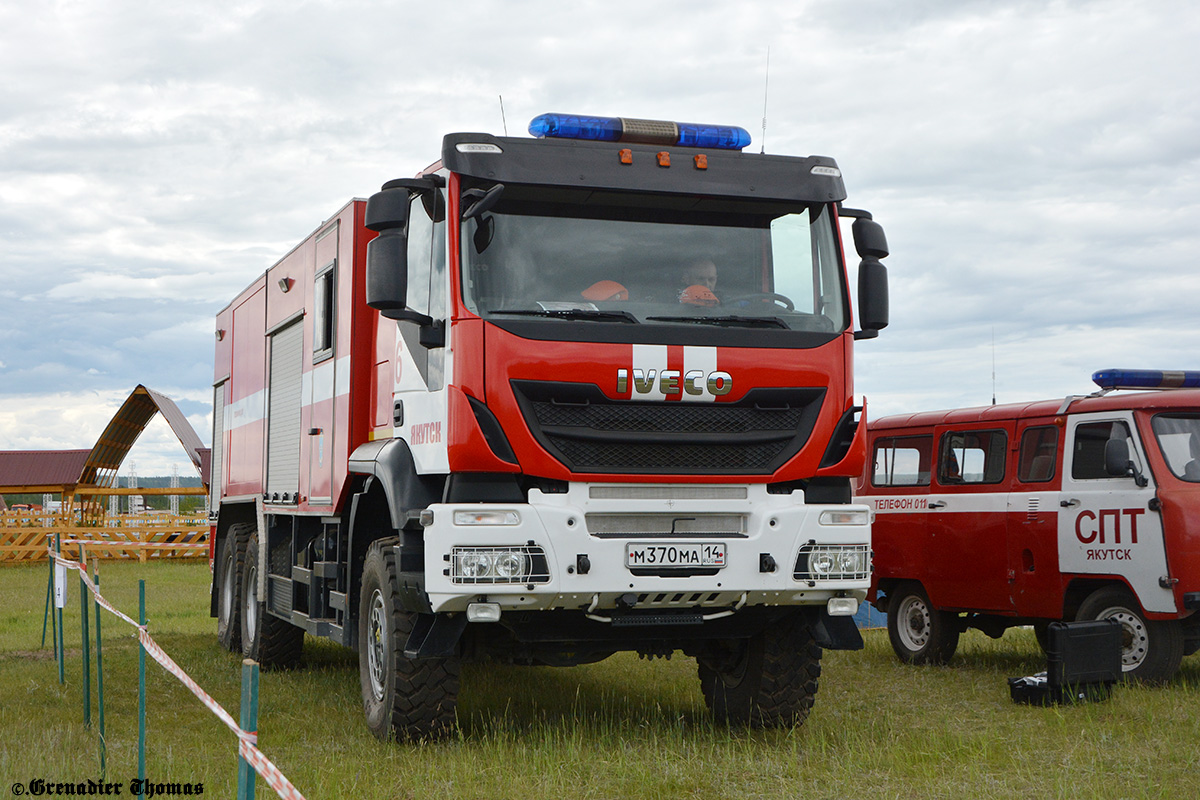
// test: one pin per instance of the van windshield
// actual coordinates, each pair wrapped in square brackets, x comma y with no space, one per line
[590,256]
[1178,437]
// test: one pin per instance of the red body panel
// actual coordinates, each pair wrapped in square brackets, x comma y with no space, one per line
[1004,558]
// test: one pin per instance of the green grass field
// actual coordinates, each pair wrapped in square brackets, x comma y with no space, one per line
[624,728]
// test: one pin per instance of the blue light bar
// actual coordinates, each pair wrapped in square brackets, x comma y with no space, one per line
[639,131]
[1146,379]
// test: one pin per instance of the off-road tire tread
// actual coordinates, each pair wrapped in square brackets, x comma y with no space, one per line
[424,694]
[780,684]
[280,644]
[230,636]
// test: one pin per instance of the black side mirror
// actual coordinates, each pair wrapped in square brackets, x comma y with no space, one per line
[387,254]
[1118,464]
[871,244]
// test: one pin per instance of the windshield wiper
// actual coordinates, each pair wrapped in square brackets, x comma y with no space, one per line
[572,313]
[728,320]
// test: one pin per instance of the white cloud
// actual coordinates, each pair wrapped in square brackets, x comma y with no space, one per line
[1035,164]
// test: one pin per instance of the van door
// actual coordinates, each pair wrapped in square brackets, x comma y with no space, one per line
[1033,508]
[967,520]
[1105,524]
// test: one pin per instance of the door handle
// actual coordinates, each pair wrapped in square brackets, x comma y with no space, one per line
[1069,503]
[938,504]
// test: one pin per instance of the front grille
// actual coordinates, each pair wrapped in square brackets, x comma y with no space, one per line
[589,432]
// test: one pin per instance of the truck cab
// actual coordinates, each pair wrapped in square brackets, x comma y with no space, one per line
[550,399]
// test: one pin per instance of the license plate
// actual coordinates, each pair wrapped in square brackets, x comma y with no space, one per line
[675,554]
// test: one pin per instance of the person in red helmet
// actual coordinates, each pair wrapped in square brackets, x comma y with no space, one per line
[699,280]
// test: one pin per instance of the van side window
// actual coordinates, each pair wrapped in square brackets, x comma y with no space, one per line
[1179,439]
[1039,450]
[902,461]
[972,457]
[1087,454]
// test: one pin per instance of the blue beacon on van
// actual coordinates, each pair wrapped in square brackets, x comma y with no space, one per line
[1146,379]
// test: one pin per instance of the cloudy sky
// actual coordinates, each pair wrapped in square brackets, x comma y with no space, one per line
[1036,166]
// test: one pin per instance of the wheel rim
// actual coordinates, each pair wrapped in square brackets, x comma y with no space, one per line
[913,623]
[251,610]
[376,657]
[227,589]
[1135,640]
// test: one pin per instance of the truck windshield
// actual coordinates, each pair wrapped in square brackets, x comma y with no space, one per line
[593,257]
[1178,437]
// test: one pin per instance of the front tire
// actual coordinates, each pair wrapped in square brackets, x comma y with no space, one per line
[767,681]
[403,699]
[1151,650]
[919,633]
[267,639]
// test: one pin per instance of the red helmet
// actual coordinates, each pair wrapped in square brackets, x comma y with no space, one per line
[698,296]
[605,290]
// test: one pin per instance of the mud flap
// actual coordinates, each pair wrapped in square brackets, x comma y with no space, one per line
[837,633]
[435,635]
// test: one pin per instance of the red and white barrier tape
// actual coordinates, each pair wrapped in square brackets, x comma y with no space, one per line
[247,740]
[128,543]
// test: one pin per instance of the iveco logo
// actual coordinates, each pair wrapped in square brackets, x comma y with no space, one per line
[671,381]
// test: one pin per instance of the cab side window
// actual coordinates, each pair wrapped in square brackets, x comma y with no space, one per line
[972,457]
[1087,452]
[1039,451]
[902,461]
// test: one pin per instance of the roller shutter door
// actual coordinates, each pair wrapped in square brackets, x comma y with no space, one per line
[283,414]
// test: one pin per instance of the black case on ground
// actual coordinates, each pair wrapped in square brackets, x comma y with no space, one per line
[1083,661]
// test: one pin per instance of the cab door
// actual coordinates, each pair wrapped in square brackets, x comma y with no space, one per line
[1106,525]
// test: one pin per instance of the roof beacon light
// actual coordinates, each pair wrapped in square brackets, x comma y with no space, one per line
[639,131]
[1146,379]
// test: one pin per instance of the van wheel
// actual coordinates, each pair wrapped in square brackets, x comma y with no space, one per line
[267,639]
[230,567]
[920,634]
[1151,651]
[767,681]
[403,698]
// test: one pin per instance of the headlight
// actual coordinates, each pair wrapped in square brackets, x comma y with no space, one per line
[833,562]
[498,565]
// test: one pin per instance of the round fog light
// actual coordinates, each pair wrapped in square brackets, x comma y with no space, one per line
[510,566]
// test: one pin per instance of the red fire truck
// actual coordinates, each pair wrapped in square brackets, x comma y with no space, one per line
[551,399]
[1084,508]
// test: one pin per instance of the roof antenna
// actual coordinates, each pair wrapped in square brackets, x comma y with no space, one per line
[766,85]
[502,118]
[993,365]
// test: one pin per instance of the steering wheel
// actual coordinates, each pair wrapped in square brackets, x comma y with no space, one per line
[763,297]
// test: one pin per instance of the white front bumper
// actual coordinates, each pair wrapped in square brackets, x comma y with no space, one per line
[777,526]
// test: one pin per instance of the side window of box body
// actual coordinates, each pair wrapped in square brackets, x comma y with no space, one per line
[324,311]
[902,461]
[1037,460]
[972,457]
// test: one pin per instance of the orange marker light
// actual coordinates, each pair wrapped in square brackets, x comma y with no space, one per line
[626,156]
[664,159]
[701,161]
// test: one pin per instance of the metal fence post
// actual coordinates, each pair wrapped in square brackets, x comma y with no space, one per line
[141,688]
[99,673]
[249,723]
[87,655]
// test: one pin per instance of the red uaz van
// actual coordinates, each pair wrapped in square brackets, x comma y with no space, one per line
[1076,509]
